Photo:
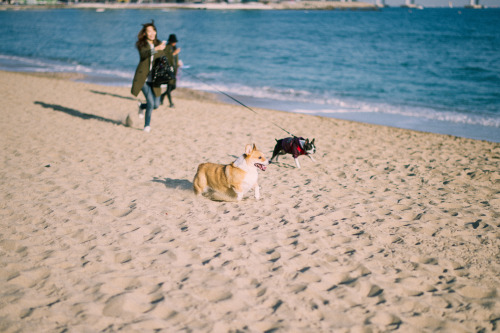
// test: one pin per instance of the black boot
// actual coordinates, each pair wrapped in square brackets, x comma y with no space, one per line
[170,100]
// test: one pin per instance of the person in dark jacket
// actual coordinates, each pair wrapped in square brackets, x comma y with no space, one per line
[149,48]
[171,47]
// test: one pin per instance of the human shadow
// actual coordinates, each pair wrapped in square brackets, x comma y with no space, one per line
[76,113]
[182,184]
[111,94]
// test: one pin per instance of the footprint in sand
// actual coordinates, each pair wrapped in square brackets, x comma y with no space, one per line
[386,319]
[216,294]
[129,304]
[122,258]
[31,278]
[122,212]
[477,292]
[368,289]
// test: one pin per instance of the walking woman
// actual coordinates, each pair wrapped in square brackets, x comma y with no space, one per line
[149,48]
[172,47]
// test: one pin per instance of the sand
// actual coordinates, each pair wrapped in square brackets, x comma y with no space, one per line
[390,229]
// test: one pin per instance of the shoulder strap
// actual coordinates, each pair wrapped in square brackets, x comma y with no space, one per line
[152,56]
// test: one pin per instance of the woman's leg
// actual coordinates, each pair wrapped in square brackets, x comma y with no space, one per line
[169,95]
[157,101]
[170,88]
[162,97]
[152,102]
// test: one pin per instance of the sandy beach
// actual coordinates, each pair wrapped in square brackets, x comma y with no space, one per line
[390,229]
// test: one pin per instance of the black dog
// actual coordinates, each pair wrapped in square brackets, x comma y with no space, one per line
[296,146]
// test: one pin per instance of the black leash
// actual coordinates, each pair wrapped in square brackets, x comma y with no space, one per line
[234,99]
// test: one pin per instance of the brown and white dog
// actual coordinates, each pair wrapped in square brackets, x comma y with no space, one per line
[233,179]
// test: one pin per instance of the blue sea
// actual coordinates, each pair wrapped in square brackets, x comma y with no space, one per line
[434,70]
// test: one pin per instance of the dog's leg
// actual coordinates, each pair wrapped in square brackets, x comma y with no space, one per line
[257,191]
[297,164]
[199,184]
[239,192]
[276,151]
[312,159]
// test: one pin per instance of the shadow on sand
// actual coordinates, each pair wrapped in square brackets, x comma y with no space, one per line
[182,184]
[113,95]
[76,113]
[186,185]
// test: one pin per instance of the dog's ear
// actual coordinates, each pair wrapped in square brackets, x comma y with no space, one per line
[254,148]
[312,142]
[307,140]
[248,149]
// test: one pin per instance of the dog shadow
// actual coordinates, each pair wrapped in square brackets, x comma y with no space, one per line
[113,95]
[181,184]
[283,165]
[186,185]
[76,113]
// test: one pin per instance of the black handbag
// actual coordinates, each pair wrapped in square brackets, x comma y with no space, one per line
[162,71]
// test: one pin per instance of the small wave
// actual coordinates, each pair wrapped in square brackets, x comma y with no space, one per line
[421,113]
[433,114]
[24,64]
[323,105]
[474,69]
[238,89]
[452,117]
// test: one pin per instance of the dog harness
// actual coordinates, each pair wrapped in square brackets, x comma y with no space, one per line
[293,146]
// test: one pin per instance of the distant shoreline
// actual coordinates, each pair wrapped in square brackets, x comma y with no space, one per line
[287,5]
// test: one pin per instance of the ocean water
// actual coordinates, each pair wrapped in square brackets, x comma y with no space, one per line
[435,70]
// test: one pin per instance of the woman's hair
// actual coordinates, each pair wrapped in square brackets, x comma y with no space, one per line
[142,38]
